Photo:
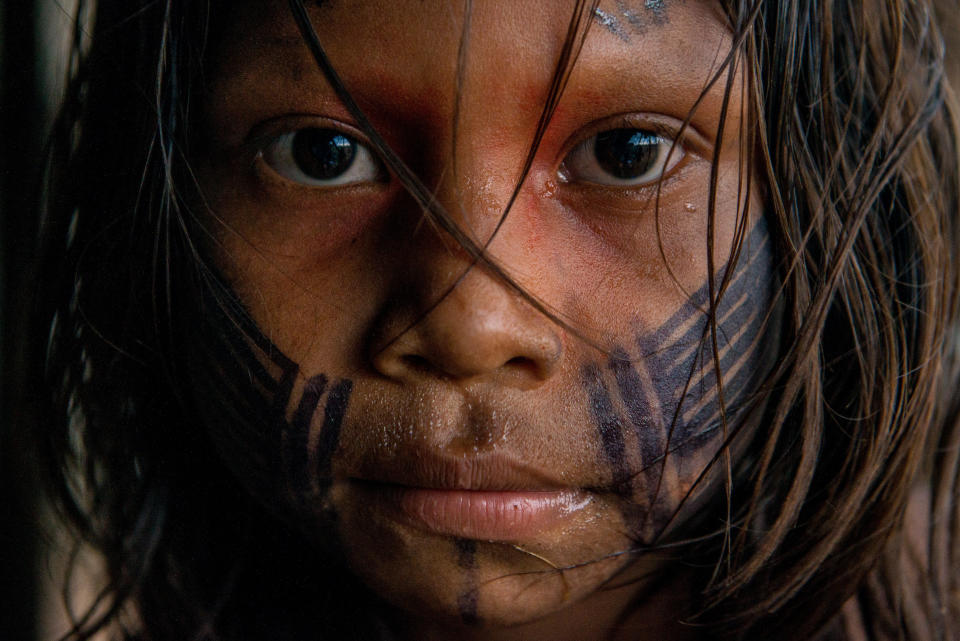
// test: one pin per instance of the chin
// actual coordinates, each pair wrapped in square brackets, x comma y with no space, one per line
[452,580]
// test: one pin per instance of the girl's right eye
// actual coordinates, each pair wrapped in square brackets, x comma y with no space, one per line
[319,157]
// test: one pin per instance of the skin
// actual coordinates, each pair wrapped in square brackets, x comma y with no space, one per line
[380,371]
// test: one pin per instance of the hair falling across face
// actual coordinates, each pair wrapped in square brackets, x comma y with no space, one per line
[527,319]
[507,463]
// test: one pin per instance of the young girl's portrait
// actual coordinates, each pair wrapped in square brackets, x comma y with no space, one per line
[502,320]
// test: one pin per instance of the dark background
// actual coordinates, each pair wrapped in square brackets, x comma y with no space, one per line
[20,135]
[27,96]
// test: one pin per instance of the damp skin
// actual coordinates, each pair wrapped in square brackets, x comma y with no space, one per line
[467,600]
[383,386]
[627,20]
[298,452]
[662,392]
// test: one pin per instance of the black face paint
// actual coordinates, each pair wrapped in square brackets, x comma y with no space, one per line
[634,510]
[642,413]
[679,355]
[333,415]
[609,427]
[297,434]
[645,416]
[467,599]
[669,394]
[307,488]
[467,603]
[253,383]
[466,553]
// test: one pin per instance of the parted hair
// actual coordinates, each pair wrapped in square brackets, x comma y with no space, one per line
[848,492]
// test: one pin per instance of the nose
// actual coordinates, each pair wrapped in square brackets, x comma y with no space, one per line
[465,324]
[478,331]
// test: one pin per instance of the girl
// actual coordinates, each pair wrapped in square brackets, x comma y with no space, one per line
[507,320]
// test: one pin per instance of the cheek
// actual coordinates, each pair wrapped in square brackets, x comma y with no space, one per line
[636,429]
[307,454]
[656,409]
[664,403]
[311,281]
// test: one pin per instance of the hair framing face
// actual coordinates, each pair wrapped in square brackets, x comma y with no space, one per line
[857,153]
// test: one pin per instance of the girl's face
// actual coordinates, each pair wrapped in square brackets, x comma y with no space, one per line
[473,460]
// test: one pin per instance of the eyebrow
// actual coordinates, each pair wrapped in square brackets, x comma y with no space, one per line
[633,22]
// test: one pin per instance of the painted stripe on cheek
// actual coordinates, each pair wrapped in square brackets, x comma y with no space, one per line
[635,397]
[295,443]
[334,412]
[609,427]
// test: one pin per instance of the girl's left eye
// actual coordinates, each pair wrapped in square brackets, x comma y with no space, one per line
[322,158]
[621,157]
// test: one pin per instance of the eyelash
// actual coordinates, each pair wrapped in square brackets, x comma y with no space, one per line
[296,156]
[594,161]
[672,150]
[329,157]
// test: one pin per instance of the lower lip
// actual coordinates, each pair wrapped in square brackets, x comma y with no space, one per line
[482,515]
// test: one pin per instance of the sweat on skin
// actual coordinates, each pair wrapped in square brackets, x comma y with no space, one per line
[405,401]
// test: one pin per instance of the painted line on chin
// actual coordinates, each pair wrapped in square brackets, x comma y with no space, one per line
[466,550]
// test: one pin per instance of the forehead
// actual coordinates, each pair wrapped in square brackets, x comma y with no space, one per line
[401,55]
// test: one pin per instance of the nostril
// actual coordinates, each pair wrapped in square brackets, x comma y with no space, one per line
[416,362]
[469,349]
[523,364]
[523,372]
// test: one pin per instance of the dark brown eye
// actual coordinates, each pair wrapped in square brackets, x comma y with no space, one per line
[626,153]
[322,157]
[628,157]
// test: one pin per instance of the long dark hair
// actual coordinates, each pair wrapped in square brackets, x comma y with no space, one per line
[140,342]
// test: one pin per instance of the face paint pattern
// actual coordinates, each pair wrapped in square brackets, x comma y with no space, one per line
[667,397]
[610,23]
[467,600]
[654,14]
[668,394]
[295,443]
[296,434]
[610,443]
[680,353]
[637,22]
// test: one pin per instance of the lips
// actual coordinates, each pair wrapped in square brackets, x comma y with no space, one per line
[501,516]
[476,514]
[484,497]
[428,468]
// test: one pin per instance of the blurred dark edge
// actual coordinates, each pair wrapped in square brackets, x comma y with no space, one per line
[20,151]
[21,142]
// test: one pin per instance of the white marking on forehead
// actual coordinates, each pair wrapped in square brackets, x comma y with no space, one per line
[611,23]
[628,20]
[655,14]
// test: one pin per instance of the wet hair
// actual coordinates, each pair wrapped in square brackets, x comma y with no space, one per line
[145,350]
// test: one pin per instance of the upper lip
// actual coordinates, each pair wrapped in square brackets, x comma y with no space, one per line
[430,469]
